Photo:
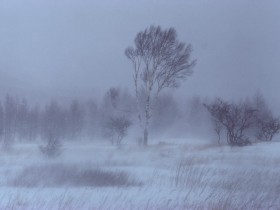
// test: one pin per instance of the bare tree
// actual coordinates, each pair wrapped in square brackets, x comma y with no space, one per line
[116,128]
[165,113]
[34,122]
[268,128]
[22,119]
[10,113]
[53,121]
[115,119]
[159,61]
[235,118]
[91,115]
[218,128]
[75,119]
[1,121]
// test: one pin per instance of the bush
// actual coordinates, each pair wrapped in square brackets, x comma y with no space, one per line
[235,119]
[239,121]
[52,148]
[116,129]
[267,128]
[267,125]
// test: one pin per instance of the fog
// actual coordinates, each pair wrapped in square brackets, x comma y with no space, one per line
[74,135]
[66,49]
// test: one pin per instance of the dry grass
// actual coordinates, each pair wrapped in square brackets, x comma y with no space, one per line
[228,186]
[172,177]
[59,175]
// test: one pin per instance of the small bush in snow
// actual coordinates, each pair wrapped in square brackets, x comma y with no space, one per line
[52,148]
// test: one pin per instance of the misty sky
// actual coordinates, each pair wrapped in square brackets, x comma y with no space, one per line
[68,48]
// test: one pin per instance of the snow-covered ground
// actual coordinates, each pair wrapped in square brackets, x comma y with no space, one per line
[169,174]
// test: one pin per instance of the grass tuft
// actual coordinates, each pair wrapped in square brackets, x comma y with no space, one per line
[57,175]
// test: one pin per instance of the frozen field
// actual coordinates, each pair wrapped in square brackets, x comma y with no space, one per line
[167,175]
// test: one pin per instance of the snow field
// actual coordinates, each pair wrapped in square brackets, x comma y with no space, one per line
[168,175]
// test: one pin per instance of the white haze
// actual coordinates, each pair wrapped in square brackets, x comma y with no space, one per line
[65,49]
[62,155]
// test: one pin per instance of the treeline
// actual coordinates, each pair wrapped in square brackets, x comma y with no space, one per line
[115,115]
[21,122]
[109,118]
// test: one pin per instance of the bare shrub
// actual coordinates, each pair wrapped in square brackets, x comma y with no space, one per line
[116,128]
[240,120]
[267,125]
[52,148]
[268,128]
[53,120]
[63,175]
[236,119]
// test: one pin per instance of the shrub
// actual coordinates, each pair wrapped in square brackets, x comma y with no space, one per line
[52,148]
[236,119]
[267,128]
[116,129]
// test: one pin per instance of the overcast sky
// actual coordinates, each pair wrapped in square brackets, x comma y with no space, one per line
[67,48]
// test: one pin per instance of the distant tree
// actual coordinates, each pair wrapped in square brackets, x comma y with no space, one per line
[10,113]
[114,96]
[53,121]
[1,121]
[165,113]
[92,115]
[267,126]
[22,122]
[115,115]
[259,103]
[33,123]
[195,110]
[236,119]
[159,61]
[218,128]
[116,129]
[75,119]
[197,117]
[109,106]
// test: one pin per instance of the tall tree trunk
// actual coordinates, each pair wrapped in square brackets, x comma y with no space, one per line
[147,118]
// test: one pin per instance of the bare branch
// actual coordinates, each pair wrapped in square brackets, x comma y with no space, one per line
[159,61]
